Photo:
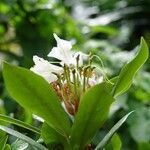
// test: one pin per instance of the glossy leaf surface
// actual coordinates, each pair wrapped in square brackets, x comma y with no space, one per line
[92,113]
[35,94]
[128,71]
[50,135]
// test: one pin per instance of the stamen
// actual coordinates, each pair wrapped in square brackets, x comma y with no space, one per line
[102,70]
[84,77]
[77,60]
[67,76]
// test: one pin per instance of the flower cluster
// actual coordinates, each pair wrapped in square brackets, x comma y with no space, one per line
[69,76]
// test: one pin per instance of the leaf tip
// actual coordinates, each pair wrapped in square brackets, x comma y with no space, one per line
[126,116]
[131,112]
[143,40]
[5,65]
[144,44]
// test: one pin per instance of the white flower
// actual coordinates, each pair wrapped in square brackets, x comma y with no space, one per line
[62,51]
[45,69]
[64,54]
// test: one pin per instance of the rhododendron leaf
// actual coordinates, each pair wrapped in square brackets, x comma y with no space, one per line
[35,94]
[128,71]
[92,113]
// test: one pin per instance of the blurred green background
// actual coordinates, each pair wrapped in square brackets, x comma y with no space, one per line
[108,28]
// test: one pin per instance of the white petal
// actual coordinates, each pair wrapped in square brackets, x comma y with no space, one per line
[62,51]
[95,80]
[50,77]
[63,44]
[55,52]
[100,79]
[64,107]
[44,65]
[45,69]
[92,81]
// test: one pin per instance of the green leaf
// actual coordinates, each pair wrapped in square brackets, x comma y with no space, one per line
[23,137]
[3,141]
[35,94]
[7,147]
[19,123]
[50,136]
[115,143]
[108,136]
[144,146]
[128,71]
[52,139]
[92,112]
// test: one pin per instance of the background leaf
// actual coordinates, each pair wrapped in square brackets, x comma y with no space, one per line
[19,145]
[3,141]
[7,147]
[23,137]
[92,113]
[111,132]
[19,123]
[35,94]
[128,71]
[139,124]
[51,137]
[115,143]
